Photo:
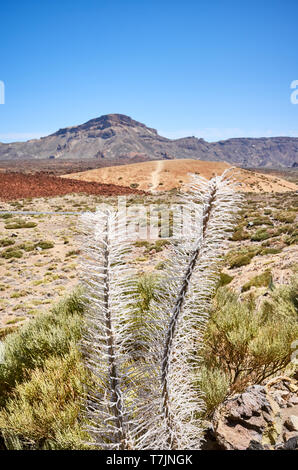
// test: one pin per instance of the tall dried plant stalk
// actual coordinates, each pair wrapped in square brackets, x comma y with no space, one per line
[110,295]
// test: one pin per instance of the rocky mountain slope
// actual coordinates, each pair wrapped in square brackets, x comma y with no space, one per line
[115,136]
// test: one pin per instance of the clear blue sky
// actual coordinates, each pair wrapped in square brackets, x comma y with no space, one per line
[214,69]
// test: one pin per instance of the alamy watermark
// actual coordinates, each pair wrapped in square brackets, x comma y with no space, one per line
[2,92]
[294,94]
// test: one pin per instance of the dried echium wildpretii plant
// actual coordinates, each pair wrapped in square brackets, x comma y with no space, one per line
[110,295]
[151,400]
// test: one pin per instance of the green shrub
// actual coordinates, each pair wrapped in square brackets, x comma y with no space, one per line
[270,251]
[215,385]
[239,235]
[43,412]
[259,235]
[261,221]
[41,381]
[292,239]
[6,331]
[148,288]
[249,344]
[224,279]
[11,253]
[240,260]
[6,242]
[73,253]
[261,280]
[27,246]
[20,224]
[46,335]
[241,257]
[44,245]
[285,216]
[287,229]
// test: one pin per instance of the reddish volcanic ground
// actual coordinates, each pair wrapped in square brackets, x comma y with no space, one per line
[21,186]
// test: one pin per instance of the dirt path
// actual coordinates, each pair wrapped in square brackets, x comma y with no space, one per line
[155,175]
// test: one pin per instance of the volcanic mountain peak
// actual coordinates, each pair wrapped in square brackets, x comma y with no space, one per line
[104,122]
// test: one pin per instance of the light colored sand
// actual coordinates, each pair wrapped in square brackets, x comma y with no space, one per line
[163,175]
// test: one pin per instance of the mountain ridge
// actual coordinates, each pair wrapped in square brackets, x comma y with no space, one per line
[114,137]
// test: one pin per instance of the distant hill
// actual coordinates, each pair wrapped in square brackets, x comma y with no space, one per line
[114,137]
[163,175]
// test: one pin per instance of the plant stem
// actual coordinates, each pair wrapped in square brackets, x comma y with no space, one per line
[174,320]
[117,407]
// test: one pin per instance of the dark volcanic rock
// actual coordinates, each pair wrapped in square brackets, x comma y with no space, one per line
[255,419]
[117,135]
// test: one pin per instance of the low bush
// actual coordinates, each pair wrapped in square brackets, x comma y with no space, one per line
[261,280]
[260,235]
[41,381]
[20,224]
[11,253]
[43,412]
[44,245]
[237,261]
[239,235]
[270,251]
[6,242]
[246,344]
[242,257]
[72,253]
[261,221]
[292,239]
[224,279]
[48,334]
[287,217]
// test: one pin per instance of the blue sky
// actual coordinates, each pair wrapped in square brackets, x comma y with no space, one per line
[214,69]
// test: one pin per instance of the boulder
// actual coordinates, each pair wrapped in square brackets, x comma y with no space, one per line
[259,417]
[292,423]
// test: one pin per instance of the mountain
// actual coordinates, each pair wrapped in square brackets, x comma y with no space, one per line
[113,137]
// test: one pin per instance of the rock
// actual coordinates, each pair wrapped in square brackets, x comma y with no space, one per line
[258,418]
[288,435]
[293,400]
[292,423]
[248,420]
[291,444]
[281,397]
[255,445]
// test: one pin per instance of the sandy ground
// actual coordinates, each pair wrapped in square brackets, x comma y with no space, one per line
[163,175]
